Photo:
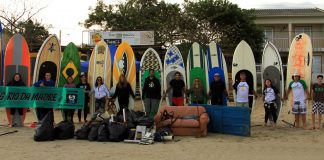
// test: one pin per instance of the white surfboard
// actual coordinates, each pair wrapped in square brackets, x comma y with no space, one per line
[173,62]
[243,60]
[150,60]
[272,69]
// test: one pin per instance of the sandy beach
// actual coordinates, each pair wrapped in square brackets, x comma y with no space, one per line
[266,143]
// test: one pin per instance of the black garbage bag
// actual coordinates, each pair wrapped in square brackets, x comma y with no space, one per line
[103,131]
[45,131]
[130,123]
[93,134]
[117,132]
[145,121]
[64,130]
[83,132]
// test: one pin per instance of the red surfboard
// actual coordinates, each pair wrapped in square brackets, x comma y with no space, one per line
[17,60]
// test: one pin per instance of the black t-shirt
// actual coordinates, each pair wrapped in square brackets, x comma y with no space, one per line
[152,88]
[86,87]
[177,87]
[217,89]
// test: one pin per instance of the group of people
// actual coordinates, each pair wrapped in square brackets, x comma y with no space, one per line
[244,90]
[151,95]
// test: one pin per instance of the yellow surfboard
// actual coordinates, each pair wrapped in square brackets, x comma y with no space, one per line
[124,63]
[99,65]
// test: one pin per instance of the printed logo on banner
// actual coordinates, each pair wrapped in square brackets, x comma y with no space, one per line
[71,98]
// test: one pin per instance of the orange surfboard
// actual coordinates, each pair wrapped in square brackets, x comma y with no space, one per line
[17,60]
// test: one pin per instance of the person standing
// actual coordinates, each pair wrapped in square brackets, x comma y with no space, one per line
[123,91]
[217,90]
[47,82]
[101,94]
[68,113]
[243,89]
[270,95]
[178,89]
[16,81]
[300,94]
[197,92]
[86,87]
[151,94]
[318,101]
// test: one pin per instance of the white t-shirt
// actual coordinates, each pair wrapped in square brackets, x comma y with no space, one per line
[298,91]
[242,92]
[269,95]
[101,92]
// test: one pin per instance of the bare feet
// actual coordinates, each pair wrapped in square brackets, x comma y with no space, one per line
[312,128]
[319,127]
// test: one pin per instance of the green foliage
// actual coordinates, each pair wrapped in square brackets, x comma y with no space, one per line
[202,21]
[34,33]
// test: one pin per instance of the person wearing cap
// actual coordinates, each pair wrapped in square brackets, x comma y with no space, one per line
[243,89]
[217,90]
[300,94]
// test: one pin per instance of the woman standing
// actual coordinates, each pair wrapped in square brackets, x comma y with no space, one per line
[270,107]
[123,91]
[16,81]
[198,92]
[68,113]
[84,85]
[101,94]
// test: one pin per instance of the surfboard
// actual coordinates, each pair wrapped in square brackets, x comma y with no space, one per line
[197,68]
[124,63]
[217,64]
[243,60]
[300,59]
[272,69]
[112,49]
[17,60]
[99,65]
[48,60]
[173,62]
[70,66]
[150,60]
[1,54]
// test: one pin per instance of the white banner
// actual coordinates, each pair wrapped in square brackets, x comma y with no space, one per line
[134,38]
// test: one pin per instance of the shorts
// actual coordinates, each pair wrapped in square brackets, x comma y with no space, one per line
[299,107]
[177,101]
[318,107]
[242,104]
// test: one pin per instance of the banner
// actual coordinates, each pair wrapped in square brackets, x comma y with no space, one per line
[41,97]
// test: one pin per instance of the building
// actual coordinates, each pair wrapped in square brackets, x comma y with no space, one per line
[281,25]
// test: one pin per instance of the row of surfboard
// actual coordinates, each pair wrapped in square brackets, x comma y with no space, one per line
[49,59]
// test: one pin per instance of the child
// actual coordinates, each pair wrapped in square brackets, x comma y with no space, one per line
[318,101]
[270,94]
[300,94]
[243,89]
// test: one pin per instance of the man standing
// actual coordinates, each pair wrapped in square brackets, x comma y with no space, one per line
[178,89]
[151,94]
[47,82]
[300,94]
[217,91]
[318,101]
[243,89]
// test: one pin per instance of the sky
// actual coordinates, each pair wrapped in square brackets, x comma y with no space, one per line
[63,16]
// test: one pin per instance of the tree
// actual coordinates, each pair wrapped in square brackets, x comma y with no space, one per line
[18,17]
[222,21]
[34,33]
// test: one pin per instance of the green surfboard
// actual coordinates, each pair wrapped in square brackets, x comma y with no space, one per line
[198,72]
[70,66]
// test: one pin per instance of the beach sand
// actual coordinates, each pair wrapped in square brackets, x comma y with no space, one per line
[265,143]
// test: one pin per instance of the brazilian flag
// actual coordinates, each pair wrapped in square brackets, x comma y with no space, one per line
[70,65]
